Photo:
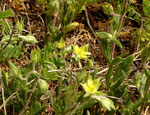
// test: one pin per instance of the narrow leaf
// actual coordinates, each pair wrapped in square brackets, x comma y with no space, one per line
[56,38]
[6,14]
[81,76]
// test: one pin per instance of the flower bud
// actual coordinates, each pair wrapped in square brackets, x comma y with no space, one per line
[43,86]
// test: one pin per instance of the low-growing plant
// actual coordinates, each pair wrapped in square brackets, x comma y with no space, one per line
[76,91]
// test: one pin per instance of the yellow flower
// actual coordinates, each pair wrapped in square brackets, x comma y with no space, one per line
[81,52]
[91,86]
[61,44]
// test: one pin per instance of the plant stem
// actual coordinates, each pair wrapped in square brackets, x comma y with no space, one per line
[119,27]
[88,22]
[8,99]
[3,94]
[11,35]
[143,100]
[33,89]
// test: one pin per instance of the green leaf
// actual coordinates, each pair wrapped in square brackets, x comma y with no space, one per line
[6,14]
[70,26]
[137,79]
[87,104]
[119,92]
[20,26]
[117,42]
[118,82]
[137,103]
[147,72]
[49,75]
[4,78]
[40,1]
[11,51]
[116,61]
[145,55]
[58,37]
[89,64]
[126,63]
[1,23]
[104,35]
[88,113]
[109,73]
[36,108]
[105,102]
[95,73]
[146,7]
[7,37]
[15,71]
[35,55]
[107,49]
[28,38]
[18,96]
[70,93]
[51,99]
[82,76]
[38,111]
[69,17]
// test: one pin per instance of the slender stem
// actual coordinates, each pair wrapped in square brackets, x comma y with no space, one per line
[143,100]
[56,14]
[33,89]
[4,102]
[10,97]
[27,18]
[119,27]
[77,106]
[88,22]
[27,76]
[3,94]
[146,110]
[79,8]
[11,35]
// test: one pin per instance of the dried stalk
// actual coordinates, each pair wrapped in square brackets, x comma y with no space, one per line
[33,89]
[119,27]
[11,97]
[3,94]
[88,22]
[143,102]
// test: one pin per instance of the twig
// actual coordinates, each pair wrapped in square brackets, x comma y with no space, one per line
[55,71]
[57,13]
[33,89]
[143,102]
[4,102]
[119,27]
[146,110]
[27,18]
[104,70]
[27,76]
[55,17]
[88,22]
[32,71]
[75,109]
[10,97]
[12,32]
